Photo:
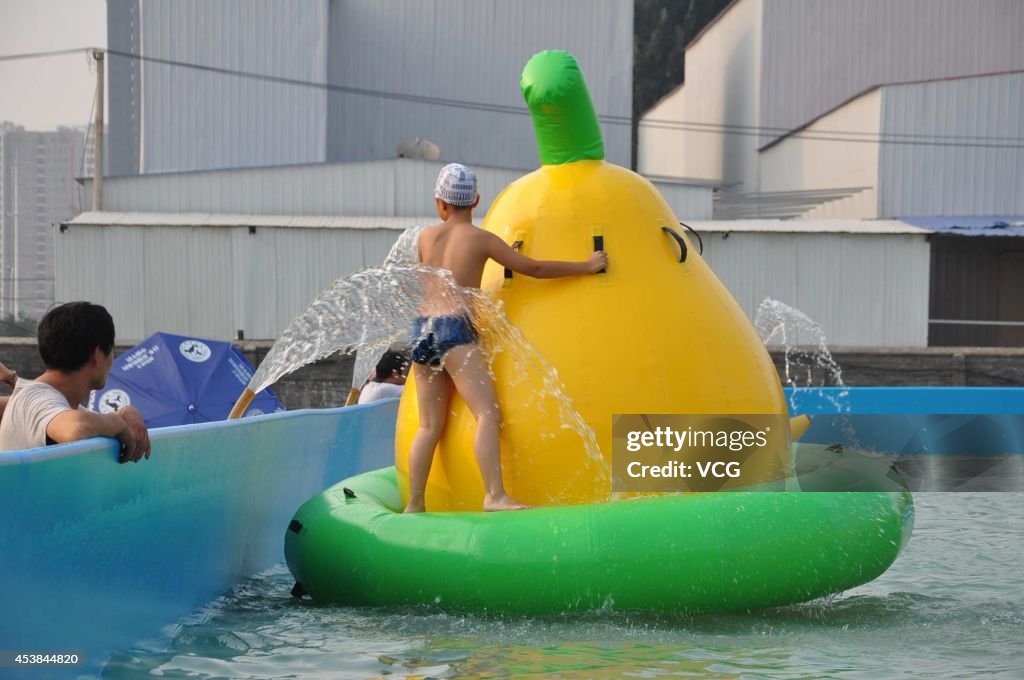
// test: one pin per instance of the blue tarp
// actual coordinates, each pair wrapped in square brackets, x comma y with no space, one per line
[970,226]
[178,380]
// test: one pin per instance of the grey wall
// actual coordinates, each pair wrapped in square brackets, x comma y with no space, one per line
[195,119]
[976,168]
[169,118]
[469,51]
[819,54]
[124,88]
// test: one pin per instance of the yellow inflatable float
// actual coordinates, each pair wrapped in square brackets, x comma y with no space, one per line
[657,333]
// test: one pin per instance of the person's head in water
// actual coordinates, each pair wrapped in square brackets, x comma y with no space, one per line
[78,336]
[455,192]
[392,368]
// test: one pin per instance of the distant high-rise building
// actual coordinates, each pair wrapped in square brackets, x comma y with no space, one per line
[37,192]
[89,155]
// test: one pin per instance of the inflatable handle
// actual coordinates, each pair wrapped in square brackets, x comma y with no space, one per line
[598,246]
[678,239]
[515,246]
[700,241]
[563,114]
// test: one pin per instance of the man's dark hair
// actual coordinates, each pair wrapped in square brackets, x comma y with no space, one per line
[69,333]
[393,360]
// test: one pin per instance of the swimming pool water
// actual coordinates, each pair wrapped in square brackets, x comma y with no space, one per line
[951,606]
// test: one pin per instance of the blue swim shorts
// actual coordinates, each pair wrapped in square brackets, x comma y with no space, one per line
[434,336]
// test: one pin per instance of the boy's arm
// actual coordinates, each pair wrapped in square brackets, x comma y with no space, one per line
[500,252]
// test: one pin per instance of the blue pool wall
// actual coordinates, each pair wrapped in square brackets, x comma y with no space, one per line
[95,555]
[915,421]
[903,400]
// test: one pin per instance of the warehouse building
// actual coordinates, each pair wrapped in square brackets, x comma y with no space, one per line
[866,283]
[850,108]
[216,274]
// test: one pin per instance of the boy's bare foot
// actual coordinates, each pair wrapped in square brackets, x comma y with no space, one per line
[416,504]
[503,502]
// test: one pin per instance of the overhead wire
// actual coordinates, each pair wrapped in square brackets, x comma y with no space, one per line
[40,55]
[766,132]
[89,132]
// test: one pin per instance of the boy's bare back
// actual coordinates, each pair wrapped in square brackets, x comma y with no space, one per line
[459,247]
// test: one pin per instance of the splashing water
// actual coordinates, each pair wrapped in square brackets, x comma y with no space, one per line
[372,309]
[808,361]
[364,312]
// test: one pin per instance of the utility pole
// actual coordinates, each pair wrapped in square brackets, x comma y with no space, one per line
[97,149]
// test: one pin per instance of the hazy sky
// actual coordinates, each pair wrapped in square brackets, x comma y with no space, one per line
[44,93]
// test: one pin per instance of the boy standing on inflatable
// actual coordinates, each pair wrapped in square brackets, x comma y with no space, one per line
[445,342]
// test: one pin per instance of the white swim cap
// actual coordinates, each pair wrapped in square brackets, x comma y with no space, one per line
[456,185]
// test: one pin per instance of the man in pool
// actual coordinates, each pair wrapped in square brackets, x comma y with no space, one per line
[445,349]
[76,342]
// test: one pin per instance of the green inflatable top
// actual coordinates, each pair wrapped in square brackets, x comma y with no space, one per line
[563,114]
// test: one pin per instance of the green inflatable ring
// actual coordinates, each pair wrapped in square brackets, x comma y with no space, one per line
[669,553]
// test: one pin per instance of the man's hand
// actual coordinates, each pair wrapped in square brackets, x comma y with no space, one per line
[8,376]
[134,437]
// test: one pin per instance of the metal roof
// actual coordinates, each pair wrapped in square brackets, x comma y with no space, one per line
[827,226]
[836,226]
[776,204]
[162,219]
[395,187]
[86,180]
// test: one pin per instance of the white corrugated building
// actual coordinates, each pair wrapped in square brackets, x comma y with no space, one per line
[850,108]
[212,275]
[348,80]
[865,282]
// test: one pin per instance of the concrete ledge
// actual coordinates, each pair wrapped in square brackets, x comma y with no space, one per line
[911,366]
[326,383]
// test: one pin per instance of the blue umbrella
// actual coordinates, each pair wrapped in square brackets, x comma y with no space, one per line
[174,380]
